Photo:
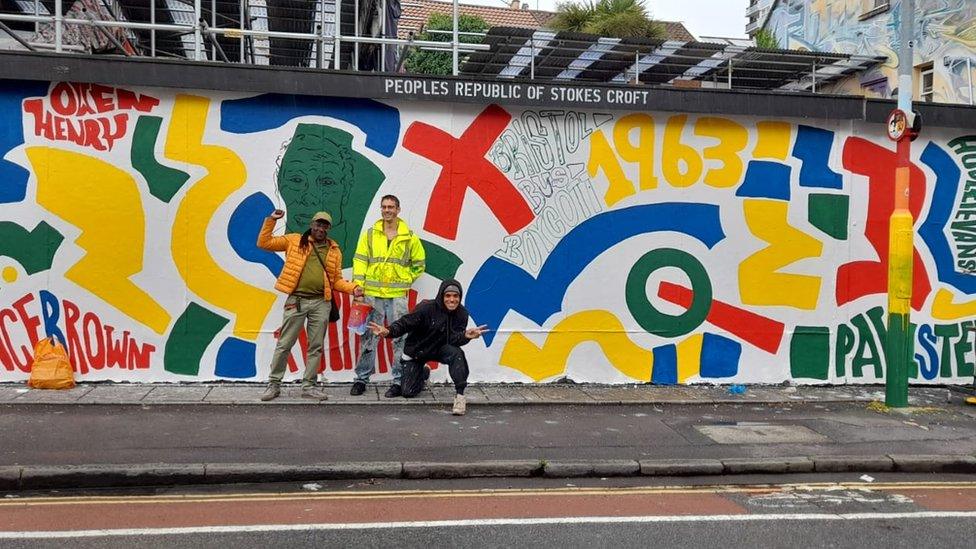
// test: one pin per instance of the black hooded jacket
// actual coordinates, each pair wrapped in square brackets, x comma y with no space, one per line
[431,326]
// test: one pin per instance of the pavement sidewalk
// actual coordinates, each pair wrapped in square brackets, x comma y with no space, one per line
[158,394]
[108,435]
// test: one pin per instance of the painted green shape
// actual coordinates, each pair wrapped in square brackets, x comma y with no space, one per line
[877,317]
[194,330]
[810,352]
[898,354]
[828,212]
[845,344]
[441,262]
[654,321]
[164,182]
[320,171]
[946,333]
[962,348]
[867,353]
[34,250]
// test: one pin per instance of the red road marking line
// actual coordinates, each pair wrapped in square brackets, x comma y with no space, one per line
[98,516]
[941,500]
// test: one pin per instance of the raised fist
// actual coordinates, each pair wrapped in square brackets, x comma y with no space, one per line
[277,214]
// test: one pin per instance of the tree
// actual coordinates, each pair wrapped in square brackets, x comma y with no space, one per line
[615,18]
[766,39]
[439,62]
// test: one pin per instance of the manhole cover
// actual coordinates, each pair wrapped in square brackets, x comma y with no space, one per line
[760,433]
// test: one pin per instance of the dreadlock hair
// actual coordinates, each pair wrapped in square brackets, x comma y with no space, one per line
[303,243]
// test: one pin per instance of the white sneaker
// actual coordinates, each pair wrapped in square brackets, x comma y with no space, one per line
[460,405]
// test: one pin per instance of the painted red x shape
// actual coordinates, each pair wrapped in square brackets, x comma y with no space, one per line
[464,166]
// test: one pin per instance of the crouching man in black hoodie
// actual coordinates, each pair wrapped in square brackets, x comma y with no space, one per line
[435,330]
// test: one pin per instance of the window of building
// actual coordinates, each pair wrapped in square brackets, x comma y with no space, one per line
[926,80]
[870,8]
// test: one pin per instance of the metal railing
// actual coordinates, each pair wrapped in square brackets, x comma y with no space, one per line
[206,29]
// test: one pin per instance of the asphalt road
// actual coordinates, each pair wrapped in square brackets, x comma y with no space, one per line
[928,512]
[110,434]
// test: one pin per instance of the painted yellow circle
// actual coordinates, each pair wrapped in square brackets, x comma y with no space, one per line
[9,274]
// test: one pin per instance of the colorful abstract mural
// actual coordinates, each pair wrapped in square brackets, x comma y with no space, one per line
[600,246]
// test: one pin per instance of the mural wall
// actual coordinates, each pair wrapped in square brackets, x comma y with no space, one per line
[600,246]
[945,35]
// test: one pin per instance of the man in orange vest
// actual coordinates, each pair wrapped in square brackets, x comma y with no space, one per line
[313,268]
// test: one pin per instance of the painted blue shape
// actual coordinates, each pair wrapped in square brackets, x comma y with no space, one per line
[927,341]
[380,122]
[236,359]
[933,229]
[719,356]
[665,370]
[50,314]
[812,147]
[13,178]
[766,180]
[243,228]
[499,286]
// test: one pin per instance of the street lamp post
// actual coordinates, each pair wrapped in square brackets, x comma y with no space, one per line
[898,348]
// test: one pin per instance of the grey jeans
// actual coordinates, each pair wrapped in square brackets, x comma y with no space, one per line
[297,310]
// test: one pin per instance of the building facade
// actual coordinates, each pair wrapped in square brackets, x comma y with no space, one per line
[945,41]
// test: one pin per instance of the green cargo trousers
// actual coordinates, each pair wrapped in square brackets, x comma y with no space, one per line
[297,310]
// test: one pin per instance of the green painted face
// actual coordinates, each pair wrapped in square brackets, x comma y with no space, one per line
[315,174]
[320,171]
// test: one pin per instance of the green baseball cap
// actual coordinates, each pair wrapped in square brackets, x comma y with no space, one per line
[322,216]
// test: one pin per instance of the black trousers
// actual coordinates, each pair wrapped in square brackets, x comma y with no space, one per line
[415,372]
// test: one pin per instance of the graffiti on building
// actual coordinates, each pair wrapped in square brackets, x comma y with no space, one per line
[606,247]
[945,38]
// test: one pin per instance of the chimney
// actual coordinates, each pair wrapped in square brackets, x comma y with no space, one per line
[514,5]
[525,5]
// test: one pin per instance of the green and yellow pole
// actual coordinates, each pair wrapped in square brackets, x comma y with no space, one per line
[899,348]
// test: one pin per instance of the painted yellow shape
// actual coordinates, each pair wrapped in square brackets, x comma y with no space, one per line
[601,327]
[732,139]
[760,282]
[104,202]
[603,158]
[680,163]
[689,357]
[773,140]
[643,152]
[945,308]
[225,174]
[9,274]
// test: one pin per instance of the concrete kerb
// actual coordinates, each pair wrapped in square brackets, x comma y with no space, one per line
[591,468]
[934,463]
[509,468]
[14,478]
[229,473]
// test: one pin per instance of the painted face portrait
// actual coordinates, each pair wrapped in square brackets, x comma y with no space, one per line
[319,170]
[315,174]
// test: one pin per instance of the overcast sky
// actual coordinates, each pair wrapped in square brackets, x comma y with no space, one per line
[702,17]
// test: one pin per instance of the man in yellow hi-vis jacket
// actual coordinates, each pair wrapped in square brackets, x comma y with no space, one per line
[389,258]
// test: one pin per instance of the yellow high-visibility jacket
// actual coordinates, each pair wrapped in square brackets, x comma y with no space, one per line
[388,268]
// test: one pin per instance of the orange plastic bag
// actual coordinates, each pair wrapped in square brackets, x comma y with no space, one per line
[51,369]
